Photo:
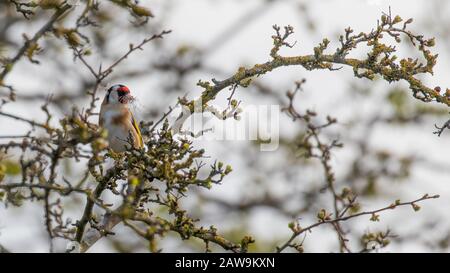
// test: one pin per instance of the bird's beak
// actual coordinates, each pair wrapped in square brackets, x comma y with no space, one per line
[126,99]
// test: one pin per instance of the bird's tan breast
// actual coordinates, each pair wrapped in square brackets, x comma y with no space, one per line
[117,121]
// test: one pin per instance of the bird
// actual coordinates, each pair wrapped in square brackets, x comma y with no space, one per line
[116,117]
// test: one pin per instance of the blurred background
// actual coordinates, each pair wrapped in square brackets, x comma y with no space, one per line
[389,153]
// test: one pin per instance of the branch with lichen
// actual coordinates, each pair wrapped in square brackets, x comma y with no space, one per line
[380,61]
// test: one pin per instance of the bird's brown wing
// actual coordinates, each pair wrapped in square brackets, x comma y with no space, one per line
[138,131]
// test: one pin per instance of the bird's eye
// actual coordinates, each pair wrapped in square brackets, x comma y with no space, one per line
[121,93]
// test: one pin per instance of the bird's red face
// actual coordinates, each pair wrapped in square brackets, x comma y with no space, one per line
[119,94]
[124,94]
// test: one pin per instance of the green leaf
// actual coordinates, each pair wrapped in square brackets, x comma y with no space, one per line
[11,168]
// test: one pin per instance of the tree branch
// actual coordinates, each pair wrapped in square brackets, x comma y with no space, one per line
[297,230]
[45,28]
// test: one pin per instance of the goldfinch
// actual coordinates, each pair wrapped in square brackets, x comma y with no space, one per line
[117,118]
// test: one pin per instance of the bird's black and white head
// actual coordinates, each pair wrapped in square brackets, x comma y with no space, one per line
[118,94]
